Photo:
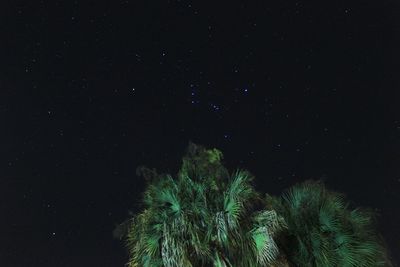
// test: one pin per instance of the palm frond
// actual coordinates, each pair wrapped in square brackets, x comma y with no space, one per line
[266,248]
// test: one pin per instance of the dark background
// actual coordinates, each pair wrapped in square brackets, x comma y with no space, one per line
[89,90]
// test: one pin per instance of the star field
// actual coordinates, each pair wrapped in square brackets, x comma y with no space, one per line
[89,90]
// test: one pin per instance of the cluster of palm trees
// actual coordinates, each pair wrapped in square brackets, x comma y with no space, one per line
[206,216]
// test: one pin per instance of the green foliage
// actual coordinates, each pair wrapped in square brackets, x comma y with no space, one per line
[323,231]
[202,217]
[207,217]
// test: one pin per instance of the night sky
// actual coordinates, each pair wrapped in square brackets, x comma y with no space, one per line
[90,90]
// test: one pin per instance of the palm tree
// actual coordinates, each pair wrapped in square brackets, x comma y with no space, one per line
[203,217]
[324,231]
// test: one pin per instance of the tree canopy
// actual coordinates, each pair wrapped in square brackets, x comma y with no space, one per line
[206,216]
